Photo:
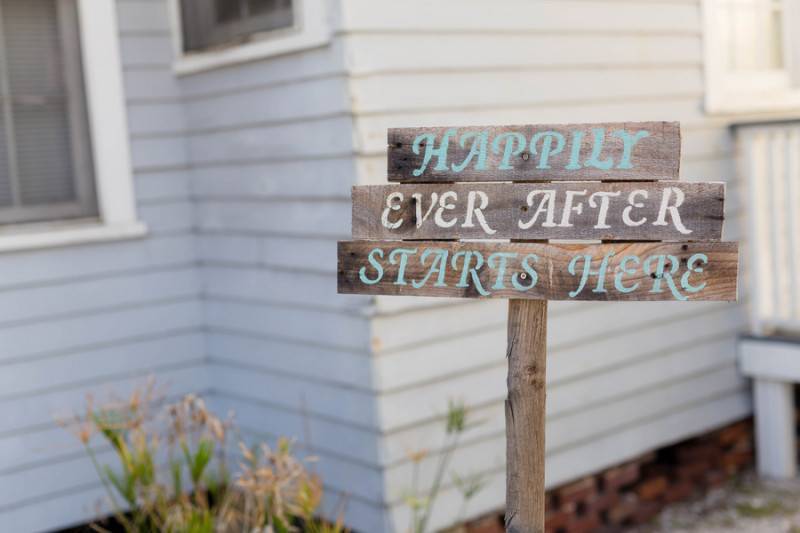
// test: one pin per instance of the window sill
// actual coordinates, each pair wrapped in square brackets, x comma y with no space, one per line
[280,43]
[59,234]
[755,104]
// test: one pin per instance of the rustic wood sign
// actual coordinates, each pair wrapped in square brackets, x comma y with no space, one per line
[596,182]
[618,151]
[667,210]
[629,271]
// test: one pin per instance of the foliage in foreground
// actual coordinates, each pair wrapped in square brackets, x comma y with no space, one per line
[421,502]
[172,475]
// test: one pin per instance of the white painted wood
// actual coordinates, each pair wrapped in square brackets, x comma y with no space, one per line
[776,442]
[564,16]
[107,117]
[770,156]
[312,28]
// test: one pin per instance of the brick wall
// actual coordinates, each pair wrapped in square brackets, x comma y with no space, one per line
[635,492]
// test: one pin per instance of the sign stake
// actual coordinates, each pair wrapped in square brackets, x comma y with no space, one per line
[525,415]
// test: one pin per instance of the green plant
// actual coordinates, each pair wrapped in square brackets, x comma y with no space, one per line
[172,476]
[421,504]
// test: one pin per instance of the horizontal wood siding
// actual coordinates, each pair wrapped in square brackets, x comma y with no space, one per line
[101,318]
[272,163]
[623,378]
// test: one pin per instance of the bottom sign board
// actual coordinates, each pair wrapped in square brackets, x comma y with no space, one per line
[544,271]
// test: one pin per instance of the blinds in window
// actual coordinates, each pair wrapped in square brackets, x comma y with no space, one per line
[45,163]
[210,23]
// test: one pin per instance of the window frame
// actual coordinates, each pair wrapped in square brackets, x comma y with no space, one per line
[776,90]
[110,147]
[311,29]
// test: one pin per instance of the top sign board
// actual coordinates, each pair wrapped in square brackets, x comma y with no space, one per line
[640,151]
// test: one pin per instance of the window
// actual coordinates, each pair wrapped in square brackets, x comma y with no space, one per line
[751,54]
[46,169]
[211,23]
[64,147]
[213,33]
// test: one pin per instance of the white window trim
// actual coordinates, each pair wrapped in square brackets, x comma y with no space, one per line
[730,94]
[102,70]
[312,28]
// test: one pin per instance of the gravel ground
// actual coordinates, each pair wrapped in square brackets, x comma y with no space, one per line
[744,505]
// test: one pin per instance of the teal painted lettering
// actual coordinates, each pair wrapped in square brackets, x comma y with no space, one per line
[438,266]
[690,266]
[623,269]
[587,271]
[362,274]
[480,140]
[529,271]
[403,254]
[431,150]
[547,148]
[498,261]
[514,144]
[661,274]
[597,150]
[628,142]
[469,270]
[575,153]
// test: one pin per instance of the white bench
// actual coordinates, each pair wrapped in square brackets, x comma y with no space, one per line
[774,365]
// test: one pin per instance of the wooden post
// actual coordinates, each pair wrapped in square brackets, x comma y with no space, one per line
[525,415]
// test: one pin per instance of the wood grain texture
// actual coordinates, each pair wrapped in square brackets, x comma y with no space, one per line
[630,271]
[525,416]
[607,151]
[536,211]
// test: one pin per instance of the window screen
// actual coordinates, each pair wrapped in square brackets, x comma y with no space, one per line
[45,154]
[212,23]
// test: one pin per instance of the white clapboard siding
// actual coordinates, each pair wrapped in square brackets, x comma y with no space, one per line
[101,318]
[770,157]
[622,378]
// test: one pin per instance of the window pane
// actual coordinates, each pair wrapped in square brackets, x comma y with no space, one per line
[212,23]
[228,10]
[38,95]
[753,34]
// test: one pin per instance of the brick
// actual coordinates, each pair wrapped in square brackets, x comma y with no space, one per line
[691,471]
[699,451]
[645,512]
[678,492]
[579,491]
[620,513]
[555,521]
[732,462]
[585,524]
[621,476]
[603,501]
[652,488]
[734,433]
[715,478]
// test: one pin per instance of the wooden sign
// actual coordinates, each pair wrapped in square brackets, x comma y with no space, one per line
[618,151]
[619,271]
[667,210]
[604,182]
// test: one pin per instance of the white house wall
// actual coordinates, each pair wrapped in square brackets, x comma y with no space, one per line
[243,177]
[101,318]
[271,145]
[623,378]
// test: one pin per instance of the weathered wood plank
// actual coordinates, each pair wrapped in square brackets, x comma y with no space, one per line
[525,415]
[607,151]
[608,271]
[639,211]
